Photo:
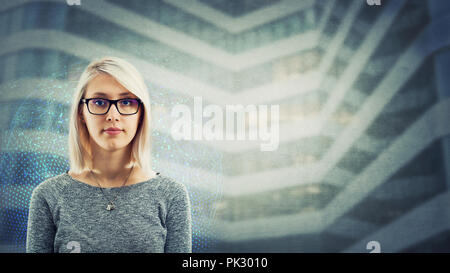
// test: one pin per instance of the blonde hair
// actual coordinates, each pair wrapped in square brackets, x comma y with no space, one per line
[127,75]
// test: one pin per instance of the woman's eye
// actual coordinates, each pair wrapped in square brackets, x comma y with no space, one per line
[99,102]
[126,102]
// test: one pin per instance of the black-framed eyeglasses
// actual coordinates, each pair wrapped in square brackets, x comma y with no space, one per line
[100,106]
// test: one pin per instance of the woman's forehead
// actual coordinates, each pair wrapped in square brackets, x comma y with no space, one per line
[110,94]
[106,86]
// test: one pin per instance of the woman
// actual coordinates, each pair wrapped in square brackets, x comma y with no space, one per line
[110,200]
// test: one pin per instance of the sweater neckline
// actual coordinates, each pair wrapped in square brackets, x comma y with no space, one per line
[111,188]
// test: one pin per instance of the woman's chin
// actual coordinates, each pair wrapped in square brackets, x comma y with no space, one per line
[113,146]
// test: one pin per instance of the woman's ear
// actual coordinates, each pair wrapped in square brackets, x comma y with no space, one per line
[80,114]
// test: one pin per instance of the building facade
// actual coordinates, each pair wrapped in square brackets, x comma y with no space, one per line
[363,106]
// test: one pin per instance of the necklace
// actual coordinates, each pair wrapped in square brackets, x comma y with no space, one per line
[111,205]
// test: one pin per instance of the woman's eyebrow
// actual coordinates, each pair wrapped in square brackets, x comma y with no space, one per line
[104,94]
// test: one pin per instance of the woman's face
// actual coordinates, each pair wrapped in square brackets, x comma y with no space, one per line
[97,124]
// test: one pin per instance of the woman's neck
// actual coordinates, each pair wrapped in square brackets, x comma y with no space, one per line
[137,175]
[111,165]
[112,168]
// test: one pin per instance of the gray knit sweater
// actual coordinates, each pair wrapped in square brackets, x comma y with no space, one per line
[67,215]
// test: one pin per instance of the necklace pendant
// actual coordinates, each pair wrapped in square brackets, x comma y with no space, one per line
[110,206]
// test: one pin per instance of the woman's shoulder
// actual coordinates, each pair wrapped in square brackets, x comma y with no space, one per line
[53,183]
[172,186]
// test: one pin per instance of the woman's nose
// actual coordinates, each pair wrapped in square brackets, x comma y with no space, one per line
[113,113]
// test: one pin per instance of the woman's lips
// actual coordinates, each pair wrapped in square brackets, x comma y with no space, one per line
[113,132]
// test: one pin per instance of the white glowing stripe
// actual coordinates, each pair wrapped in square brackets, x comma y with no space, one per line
[276,226]
[351,228]
[271,179]
[338,39]
[244,22]
[289,131]
[420,224]
[339,177]
[372,145]
[294,85]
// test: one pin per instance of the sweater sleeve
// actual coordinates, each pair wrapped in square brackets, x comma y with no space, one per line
[41,229]
[178,222]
